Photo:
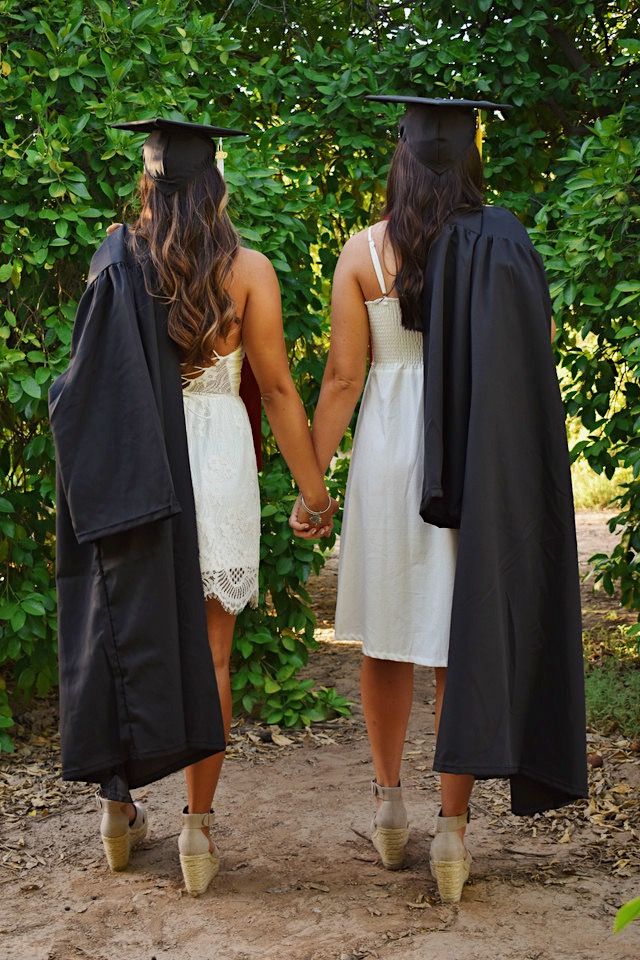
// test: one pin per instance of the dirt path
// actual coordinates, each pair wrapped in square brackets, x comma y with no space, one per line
[299,879]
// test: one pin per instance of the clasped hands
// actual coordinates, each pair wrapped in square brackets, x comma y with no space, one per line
[300,521]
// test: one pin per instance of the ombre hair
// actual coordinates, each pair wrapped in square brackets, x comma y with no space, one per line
[418,204]
[191,244]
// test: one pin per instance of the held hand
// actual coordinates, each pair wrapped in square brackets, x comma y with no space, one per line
[300,521]
[112,227]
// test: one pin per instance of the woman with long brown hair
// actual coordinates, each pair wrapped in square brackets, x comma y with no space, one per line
[174,300]
[436,289]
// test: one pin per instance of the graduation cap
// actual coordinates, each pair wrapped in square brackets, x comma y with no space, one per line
[437,132]
[176,151]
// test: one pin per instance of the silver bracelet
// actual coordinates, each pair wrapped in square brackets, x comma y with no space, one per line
[315,516]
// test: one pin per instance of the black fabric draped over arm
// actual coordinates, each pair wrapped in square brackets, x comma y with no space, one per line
[497,467]
[109,439]
[137,686]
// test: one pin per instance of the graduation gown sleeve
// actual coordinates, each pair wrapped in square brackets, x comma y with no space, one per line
[109,442]
[497,468]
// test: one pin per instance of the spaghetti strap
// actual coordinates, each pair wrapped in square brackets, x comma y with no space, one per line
[376,263]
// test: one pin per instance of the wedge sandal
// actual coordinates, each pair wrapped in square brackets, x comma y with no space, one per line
[119,837]
[390,827]
[199,865]
[449,859]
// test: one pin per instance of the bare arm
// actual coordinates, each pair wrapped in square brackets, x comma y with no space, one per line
[346,365]
[263,338]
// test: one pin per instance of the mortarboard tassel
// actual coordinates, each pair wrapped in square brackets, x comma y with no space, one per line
[479,133]
[220,157]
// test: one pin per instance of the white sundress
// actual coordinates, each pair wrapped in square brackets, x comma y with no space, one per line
[224,475]
[396,572]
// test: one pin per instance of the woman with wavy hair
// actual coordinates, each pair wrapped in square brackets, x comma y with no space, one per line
[458,542]
[155,449]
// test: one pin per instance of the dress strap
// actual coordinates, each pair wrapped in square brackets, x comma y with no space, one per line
[376,262]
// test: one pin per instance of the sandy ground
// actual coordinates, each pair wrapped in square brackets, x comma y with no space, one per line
[300,881]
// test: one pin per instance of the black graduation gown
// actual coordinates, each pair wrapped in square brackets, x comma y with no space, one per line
[497,468]
[137,684]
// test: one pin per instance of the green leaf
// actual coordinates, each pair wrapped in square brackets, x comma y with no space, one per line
[626,914]
[34,607]
[142,17]
[18,619]
[275,716]
[31,388]
[7,610]
[631,44]
[79,189]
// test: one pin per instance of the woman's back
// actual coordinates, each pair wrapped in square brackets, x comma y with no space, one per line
[391,343]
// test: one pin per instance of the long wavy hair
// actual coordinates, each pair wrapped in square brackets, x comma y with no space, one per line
[191,244]
[418,204]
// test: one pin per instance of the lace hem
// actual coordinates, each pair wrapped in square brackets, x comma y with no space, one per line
[234,588]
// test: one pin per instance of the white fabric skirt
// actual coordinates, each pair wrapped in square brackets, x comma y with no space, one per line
[227,497]
[396,573]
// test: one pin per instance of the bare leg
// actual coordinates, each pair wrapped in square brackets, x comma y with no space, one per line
[386,687]
[202,777]
[455,788]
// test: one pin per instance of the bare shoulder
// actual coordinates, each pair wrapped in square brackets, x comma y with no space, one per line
[357,246]
[252,266]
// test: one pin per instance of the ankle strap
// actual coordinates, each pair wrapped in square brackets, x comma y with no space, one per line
[197,820]
[444,824]
[386,793]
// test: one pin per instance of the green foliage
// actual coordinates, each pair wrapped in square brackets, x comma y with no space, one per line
[612,680]
[627,913]
[311,173]
[589,233]
[612,690]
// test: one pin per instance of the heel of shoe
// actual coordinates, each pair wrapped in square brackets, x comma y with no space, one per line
[449,859]
[198,871]
[117,852]
[390,827]
[390,842]
[451,876]
[199,864]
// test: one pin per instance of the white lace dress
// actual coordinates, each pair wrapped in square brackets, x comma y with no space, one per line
[396,573]
[225,482]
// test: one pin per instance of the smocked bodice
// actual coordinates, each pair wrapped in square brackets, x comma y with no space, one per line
[391,343]
[222,377]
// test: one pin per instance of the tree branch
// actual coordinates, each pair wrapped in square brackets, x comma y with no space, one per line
[571,52]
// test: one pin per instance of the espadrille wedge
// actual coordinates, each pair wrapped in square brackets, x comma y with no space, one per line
[390,827]
[199,864]
[449,859]
[119,837]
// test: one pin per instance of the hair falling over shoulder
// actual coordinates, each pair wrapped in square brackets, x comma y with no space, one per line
[191,244]
[418,204]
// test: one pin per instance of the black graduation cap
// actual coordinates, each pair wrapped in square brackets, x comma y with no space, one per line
[175,151]
[438,131]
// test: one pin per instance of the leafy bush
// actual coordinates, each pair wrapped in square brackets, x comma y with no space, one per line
[589,233]
[309,176]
